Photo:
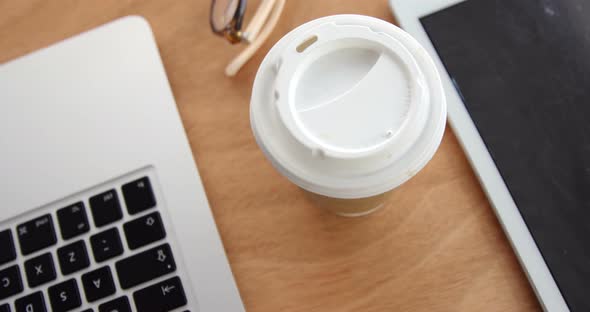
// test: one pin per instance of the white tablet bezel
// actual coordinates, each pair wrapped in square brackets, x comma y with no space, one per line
[408,14]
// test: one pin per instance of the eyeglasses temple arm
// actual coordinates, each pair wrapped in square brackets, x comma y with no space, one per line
[245,55]
[262,13]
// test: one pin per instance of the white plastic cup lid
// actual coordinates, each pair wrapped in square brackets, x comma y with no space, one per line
[348,106]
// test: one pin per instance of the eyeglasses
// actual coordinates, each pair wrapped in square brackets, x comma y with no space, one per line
[226,20]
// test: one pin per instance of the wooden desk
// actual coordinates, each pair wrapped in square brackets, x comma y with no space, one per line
[436,247]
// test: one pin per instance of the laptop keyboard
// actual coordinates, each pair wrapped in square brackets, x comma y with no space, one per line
[107,252]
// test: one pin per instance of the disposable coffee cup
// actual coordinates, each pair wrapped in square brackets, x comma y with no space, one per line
[348,108]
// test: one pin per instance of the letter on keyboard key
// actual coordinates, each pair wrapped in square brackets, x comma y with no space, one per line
[105,208]
[40,270]
[36,234]
[64,296]
[118,305]
[145,230]
[98,284]
[10,282]
[145,266]
[139,195]
[7,252]
[73,257]
[33,302]
[164,296]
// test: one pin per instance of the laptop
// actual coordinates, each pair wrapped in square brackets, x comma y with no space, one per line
[101,204]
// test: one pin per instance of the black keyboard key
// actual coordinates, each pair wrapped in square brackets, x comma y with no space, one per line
[36,234]
[73,220]
[7,252]
[117,305]
[64,296]
[106,245]
[139,195]
[40,270]
[4,308]
[161,297]
[31,303]
[105,208]
[144,230]
[98,284]
[145,266]
[10,282]
[73,257]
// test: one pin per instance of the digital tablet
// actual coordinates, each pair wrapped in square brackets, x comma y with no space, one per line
[517,79]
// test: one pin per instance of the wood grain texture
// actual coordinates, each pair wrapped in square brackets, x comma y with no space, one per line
[436,246]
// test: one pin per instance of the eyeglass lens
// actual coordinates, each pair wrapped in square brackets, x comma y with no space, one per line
[222,13]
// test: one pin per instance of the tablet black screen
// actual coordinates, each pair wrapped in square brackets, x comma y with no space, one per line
[523,69]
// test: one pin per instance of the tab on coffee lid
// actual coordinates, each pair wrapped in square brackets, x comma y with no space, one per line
[348,106]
